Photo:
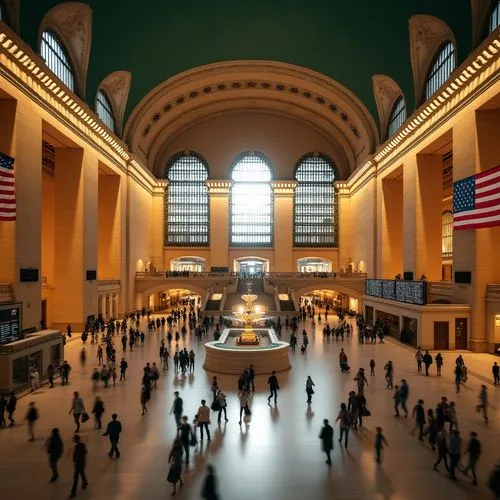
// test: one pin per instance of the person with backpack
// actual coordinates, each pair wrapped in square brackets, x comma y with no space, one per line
[32,416]
[345,424]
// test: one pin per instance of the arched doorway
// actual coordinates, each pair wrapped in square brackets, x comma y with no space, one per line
[314,265]
[251,266]
[173,299]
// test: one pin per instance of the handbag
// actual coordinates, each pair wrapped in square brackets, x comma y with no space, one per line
[247,411]
[366,412]
[215,406]
[193,441]
[85,416]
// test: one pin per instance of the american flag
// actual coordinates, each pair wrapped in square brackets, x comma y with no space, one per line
[476,201]
[7,193]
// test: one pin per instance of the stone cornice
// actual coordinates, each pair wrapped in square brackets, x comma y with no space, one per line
[219,187]
[28,73]
[283,189]
[482,68]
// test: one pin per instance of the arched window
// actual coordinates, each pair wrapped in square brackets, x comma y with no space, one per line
[104,110]
[186,202]
[56,59]
[447,234]
[441,69]
[314,210]
[251,202]
[398,116]
[494,17]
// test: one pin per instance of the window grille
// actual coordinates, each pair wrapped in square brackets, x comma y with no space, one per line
[56,59]
[187,213]
[251,202]
[315,223]
[447,234]
[104,110]
[441,69]
[495,17]
[397,118]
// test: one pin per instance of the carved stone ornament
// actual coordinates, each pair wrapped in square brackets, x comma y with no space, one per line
[72,22]
[117,87]
[386,92]
[427,34]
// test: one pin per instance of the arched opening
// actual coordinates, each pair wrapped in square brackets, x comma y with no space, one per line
[397,117]
[251,201]
[174,298]
[104,110]
[314,265]
[251,266]
[187,210]
[315,203]
[189,263]
[56,58]
[440,70]
[322,300]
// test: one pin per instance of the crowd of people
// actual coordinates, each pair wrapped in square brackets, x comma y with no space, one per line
[438,426]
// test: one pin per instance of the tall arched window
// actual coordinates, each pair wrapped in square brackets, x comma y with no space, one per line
[441,69]
[447,234]
[56,59]
[314,210]
[398,116]
[251,201]
[494,17]
[186,202]
[104,110]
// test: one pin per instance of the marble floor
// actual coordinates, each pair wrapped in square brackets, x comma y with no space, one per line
[277,456]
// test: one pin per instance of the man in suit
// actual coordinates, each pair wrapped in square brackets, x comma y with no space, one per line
[273,387]
[326,436]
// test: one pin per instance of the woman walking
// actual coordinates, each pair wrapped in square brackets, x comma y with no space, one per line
[309,389]
[175,461]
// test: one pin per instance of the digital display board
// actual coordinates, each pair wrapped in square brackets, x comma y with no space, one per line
[410,292]
[10,323]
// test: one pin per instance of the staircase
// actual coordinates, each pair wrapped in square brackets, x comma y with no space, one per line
[212,305]
[257,285]
[287,305]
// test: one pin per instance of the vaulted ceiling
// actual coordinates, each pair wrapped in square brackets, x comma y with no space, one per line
[346,41]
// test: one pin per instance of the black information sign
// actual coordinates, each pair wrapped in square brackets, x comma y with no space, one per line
[10,323]
[411,292]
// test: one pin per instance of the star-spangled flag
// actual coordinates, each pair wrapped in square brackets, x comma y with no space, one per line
[7,192]
[476,201]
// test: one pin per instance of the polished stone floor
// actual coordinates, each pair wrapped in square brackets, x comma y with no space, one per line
[276,457]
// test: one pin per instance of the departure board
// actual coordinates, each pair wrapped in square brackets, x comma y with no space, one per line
[10,323]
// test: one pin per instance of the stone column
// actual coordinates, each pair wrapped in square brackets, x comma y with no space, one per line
[343,226]
[27,151]
[410,215]
[75,298]
[283,225]
[158,239]
[219,223]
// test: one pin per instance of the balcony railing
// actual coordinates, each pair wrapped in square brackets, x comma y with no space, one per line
[493,291]
[183,275]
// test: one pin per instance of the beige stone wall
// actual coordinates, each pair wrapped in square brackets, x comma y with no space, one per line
[221,139]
